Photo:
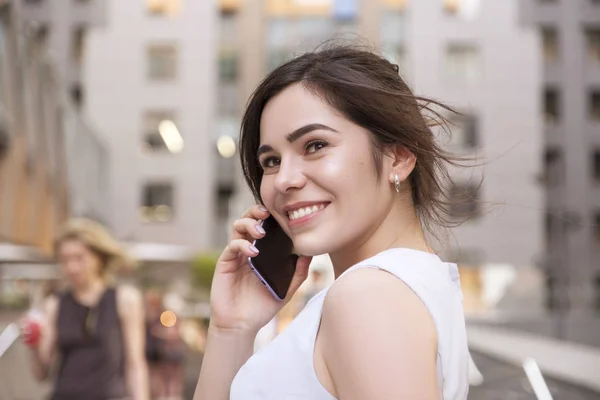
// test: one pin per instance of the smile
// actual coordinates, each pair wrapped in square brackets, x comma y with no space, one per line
[304,211]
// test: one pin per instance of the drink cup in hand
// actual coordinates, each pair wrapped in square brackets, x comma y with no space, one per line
[31,328]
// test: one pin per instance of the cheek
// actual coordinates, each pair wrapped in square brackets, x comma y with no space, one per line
[267,191]
[345,173]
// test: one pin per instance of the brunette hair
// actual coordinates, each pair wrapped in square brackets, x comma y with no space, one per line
[368,90]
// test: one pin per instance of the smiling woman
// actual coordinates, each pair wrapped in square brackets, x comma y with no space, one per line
[339,151]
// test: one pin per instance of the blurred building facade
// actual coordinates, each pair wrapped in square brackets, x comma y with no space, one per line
[464,61]
[569,34]
[51,162]
[149,81]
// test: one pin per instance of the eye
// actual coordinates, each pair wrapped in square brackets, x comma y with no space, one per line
[315,145]
[270,162]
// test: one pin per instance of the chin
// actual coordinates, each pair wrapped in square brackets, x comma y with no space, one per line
[311,246]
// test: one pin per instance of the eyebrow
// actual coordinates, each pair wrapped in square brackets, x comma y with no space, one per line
[295,135]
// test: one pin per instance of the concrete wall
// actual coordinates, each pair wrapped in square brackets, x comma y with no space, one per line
[119,93]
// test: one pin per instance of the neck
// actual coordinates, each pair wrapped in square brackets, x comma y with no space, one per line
[93,286]
[401,228]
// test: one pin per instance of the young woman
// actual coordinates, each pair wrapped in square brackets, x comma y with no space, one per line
[339,151]
[93,330]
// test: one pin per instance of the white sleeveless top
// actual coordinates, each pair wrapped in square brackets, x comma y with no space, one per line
[283,370]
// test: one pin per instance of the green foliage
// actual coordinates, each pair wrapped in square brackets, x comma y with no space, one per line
[203,269]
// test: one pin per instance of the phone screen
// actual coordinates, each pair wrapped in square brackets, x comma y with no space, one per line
[276,261]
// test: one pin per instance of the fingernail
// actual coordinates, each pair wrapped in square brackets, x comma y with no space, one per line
[263,209]
[260,229]
[253,249]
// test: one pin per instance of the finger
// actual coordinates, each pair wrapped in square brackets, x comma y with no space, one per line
[257,211]
[247,227]
[299,276]
[236,248]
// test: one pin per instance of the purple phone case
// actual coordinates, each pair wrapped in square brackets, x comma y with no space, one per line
[264,282]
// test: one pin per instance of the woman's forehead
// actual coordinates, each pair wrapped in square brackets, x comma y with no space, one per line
[293,108]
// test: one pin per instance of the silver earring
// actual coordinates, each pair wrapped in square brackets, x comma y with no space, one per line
[397,183]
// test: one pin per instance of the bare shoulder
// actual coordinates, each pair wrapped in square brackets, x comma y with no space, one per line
[129,298]
[371,307]
[375,297]
[374,282]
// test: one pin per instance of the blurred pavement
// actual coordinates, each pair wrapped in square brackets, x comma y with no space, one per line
[504,381]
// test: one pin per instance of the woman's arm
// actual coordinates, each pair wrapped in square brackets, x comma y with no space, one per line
[226,352]
[378,339]
[131,313]
[42,356]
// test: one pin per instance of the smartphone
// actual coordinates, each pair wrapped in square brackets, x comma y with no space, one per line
[275,263]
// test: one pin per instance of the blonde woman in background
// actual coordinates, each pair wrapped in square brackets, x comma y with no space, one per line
[93,330]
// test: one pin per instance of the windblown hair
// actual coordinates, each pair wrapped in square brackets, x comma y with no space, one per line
[367,89]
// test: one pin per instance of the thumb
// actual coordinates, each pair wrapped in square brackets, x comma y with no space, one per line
[299,276]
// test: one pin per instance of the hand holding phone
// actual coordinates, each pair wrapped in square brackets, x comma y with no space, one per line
[275,263]
[239,300]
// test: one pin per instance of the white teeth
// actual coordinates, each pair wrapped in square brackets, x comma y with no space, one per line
[302,212]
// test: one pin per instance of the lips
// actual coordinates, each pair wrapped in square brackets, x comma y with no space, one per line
[300,213]
[304,211]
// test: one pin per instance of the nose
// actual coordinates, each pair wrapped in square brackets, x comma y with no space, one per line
[289,176]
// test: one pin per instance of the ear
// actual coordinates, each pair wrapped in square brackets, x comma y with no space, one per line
[402,162]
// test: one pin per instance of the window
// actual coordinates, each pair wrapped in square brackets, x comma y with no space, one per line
[465,131]
[163,8]
[224,195]
[596,165]
[228,9]
[552,166]
[464,201]
[228,66]
[550,44]
[157,202]
[160,132]
[77,94]
[78,44]
[462,62]
[592,36]
[276,57]
[551,105]
[162,62]
[594,105]
[468,9]
[345,9]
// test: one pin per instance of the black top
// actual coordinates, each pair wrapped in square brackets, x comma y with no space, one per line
[91,349]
